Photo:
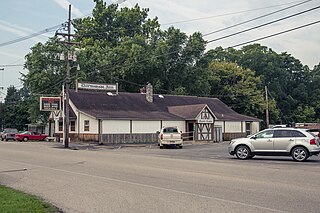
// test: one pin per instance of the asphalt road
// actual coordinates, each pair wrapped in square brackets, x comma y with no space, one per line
[197,178]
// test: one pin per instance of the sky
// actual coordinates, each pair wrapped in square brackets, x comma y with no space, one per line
[23,17]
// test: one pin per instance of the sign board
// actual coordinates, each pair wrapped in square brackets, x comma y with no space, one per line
[50,103]
[94,86]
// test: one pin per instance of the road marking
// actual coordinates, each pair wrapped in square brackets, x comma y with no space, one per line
[149,186]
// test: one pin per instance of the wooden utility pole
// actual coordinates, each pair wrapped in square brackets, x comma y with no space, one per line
[67,87]
[267,107]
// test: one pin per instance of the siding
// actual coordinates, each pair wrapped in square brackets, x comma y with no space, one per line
[115,126]
[180,124]
[92,122]
[145,126]
[233,127]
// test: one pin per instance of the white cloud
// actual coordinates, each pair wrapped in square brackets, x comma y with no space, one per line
[65,5]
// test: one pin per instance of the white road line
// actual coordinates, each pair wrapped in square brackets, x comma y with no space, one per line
[150,186]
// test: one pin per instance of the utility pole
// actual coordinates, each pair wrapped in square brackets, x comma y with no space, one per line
[267,107]
[67,86]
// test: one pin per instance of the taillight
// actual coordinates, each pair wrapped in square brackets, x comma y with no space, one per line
[161,136]
[313,141]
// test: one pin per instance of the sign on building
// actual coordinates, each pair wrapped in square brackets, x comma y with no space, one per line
[94,86]
[50,103]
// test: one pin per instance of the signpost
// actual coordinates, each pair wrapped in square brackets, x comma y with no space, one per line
[50,103]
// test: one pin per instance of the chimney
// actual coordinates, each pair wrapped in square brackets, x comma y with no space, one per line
[149,93]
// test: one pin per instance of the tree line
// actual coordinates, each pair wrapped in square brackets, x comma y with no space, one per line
[124,45]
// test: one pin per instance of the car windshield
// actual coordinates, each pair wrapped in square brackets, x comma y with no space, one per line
[170,130]
[26,133]
[10,130]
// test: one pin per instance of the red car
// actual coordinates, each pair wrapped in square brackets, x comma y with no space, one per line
[30,135]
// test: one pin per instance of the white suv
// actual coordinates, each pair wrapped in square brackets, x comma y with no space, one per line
[299,143]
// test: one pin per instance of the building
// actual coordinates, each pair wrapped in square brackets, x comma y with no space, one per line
[136,117]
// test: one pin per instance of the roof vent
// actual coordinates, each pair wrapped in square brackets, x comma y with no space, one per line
[160,96]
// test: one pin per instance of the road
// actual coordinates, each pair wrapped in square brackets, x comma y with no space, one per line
[197,178]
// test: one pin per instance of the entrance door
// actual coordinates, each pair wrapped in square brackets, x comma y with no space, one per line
[191,131]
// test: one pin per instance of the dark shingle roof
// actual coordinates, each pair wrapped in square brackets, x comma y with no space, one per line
[135,106]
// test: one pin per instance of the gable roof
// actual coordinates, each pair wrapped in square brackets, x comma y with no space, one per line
[188,112]
[135,106]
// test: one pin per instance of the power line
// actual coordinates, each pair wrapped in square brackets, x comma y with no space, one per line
[30,36]
[275,34]
[262,25]
[221,15]
[234,13]
[256,18]
[11,65]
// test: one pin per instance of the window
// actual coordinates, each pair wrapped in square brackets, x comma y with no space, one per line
[298,134]
[283,134]
[265,134]
[86,125]
[73,126]
[170,130]
[60,126]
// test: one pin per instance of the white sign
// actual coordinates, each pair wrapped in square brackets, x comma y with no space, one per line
[108,87]
[205,121]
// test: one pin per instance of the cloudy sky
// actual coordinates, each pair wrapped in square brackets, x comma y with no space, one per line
[21,18]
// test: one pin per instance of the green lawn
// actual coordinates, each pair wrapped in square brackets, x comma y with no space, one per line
[15,201]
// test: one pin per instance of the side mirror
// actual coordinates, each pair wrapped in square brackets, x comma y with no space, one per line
[158,132]
[253,137]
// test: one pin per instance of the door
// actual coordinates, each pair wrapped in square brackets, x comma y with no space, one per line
[263,141]
[283,140]
[248,128]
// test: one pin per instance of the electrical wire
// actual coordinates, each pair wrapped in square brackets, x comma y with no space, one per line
[275,34]
[243,11]
[265,24]
[256,18]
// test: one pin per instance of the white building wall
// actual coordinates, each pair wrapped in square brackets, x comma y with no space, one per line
[145,126]
[180,124]
[233,127]
[115,126]
[220,123]
[93,123]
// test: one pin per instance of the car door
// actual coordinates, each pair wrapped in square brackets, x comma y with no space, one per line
[283,140]
[263,141]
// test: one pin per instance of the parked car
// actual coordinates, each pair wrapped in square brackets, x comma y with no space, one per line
[170,136]
[8,134]
[298,143]
[30,135]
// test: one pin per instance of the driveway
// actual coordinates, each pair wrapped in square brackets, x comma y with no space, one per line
[197,178]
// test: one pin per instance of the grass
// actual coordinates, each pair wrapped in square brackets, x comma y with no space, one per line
[12,201]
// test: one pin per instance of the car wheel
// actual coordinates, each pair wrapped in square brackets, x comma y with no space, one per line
[300,154]
[242,152]
[25,139]
[180,146]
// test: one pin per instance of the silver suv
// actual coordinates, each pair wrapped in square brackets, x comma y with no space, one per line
[299,143]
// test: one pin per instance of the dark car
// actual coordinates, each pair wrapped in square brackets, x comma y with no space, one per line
[8,134]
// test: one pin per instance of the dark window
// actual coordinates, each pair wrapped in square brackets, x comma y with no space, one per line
[170,130]
[60,126]
[86,125]
[73,126]
[298,134]
[283,134]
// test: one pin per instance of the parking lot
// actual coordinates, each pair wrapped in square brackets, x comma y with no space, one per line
[143,178]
